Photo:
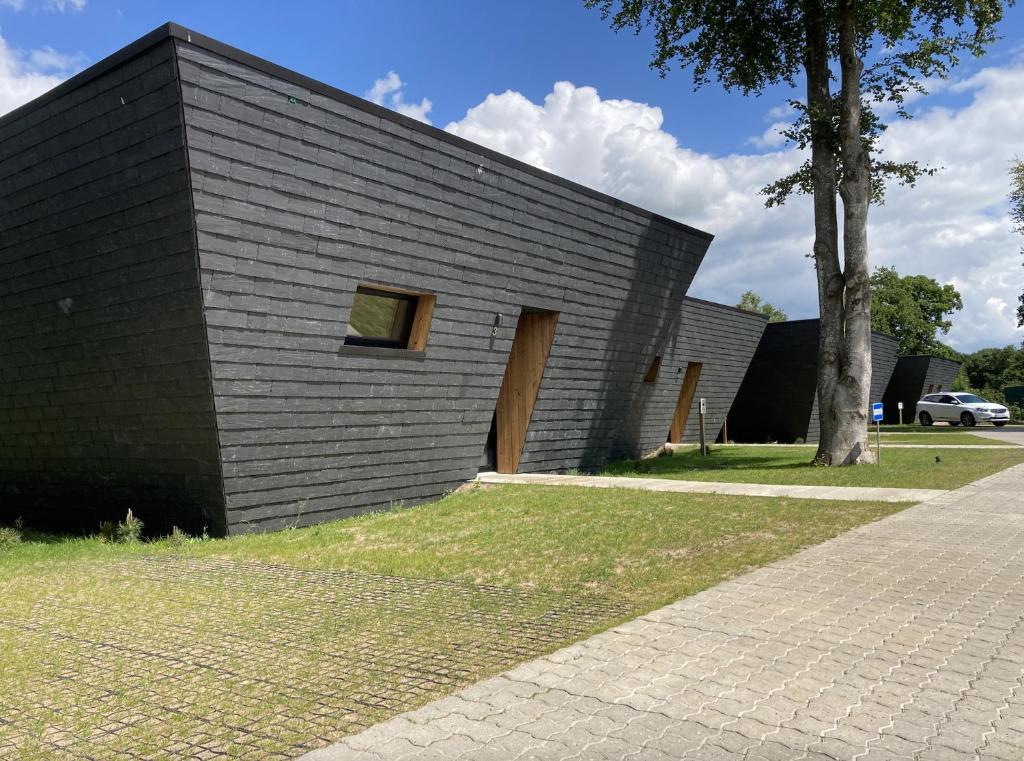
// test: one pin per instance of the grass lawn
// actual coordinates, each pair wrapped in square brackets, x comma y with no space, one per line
[940,428]
[903,468]
[266,645]
[959,439]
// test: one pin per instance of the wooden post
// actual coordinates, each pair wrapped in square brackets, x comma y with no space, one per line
[703,440]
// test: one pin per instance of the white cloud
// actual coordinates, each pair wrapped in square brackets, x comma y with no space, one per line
[25,75]
[388,92]
[953,226]
[49,60]
[63,6]
[771,137]
[56,6]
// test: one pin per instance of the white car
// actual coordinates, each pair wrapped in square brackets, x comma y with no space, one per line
[960,409]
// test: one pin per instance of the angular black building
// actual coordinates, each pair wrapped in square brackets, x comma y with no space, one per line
[778,399]
[914,376]
[236,298]
[706,359]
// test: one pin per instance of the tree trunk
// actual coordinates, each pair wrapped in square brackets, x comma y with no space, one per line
[826,226]
[848,442]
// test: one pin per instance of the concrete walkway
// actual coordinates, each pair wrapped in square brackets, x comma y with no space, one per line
[948,446]
[857,493]
[1014,435]
[903,639]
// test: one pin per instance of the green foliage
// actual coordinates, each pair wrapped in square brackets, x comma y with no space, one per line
[128,531]
[750,46]
[177,537]
[912,309]
[1017,215]
[988,371]
[753,303]
[108,532]
[9,537]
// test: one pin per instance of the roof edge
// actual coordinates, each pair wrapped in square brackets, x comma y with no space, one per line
[171,30]
[818,319]
[98,69]
[730,307]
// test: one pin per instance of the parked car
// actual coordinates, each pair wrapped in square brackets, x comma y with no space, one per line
[960,409]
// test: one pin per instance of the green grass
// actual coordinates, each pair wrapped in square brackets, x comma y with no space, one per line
[940,428]
[902,468]
[647,548]
[958,439]
[94,633]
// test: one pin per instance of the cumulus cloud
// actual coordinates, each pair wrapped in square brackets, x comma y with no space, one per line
[953,226]
[25,75]
[387,92]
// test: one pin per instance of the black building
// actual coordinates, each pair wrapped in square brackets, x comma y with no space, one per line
[778,399]
[706,359]
[913,377]
[234,297]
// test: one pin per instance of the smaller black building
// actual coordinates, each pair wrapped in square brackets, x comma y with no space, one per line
[778,398]
[915,376]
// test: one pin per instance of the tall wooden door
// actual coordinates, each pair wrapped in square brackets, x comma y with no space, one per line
[526,362]
[684,402]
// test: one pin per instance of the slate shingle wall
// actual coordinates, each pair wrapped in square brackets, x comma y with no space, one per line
[300,196]
[777,400]
[910,381]
[720,337]
[105,399]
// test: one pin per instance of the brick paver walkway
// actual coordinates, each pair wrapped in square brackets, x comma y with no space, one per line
[899,640]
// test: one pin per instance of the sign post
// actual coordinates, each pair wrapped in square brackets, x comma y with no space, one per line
[899,406]
[703,442]
[876,416]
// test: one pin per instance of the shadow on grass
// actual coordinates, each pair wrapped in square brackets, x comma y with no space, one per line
[682,462]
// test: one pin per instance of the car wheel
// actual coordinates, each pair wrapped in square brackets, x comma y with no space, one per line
[999,425]
[925,418]
[968,420]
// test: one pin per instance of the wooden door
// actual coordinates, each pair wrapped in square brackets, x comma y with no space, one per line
[526,362]
[684,402]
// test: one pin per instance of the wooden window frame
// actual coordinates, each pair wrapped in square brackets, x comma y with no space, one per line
[417,331]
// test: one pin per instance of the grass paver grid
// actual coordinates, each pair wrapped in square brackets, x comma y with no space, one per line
[274,644]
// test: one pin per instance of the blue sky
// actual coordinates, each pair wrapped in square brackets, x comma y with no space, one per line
[456,53]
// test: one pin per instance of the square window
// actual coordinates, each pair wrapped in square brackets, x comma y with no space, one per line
[389,318]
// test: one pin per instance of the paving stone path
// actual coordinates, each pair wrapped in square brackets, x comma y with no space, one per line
[903,639]
[798,491]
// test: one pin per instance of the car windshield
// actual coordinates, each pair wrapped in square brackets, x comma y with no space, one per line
[971,399]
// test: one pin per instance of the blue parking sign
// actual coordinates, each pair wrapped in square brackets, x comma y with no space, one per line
[876,412]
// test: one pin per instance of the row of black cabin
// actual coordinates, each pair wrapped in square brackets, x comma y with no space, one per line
[777,401]
[233,298]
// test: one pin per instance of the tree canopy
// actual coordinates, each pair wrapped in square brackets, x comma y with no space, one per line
[1017,215]
[913,309]
[753,303]
[989,371]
